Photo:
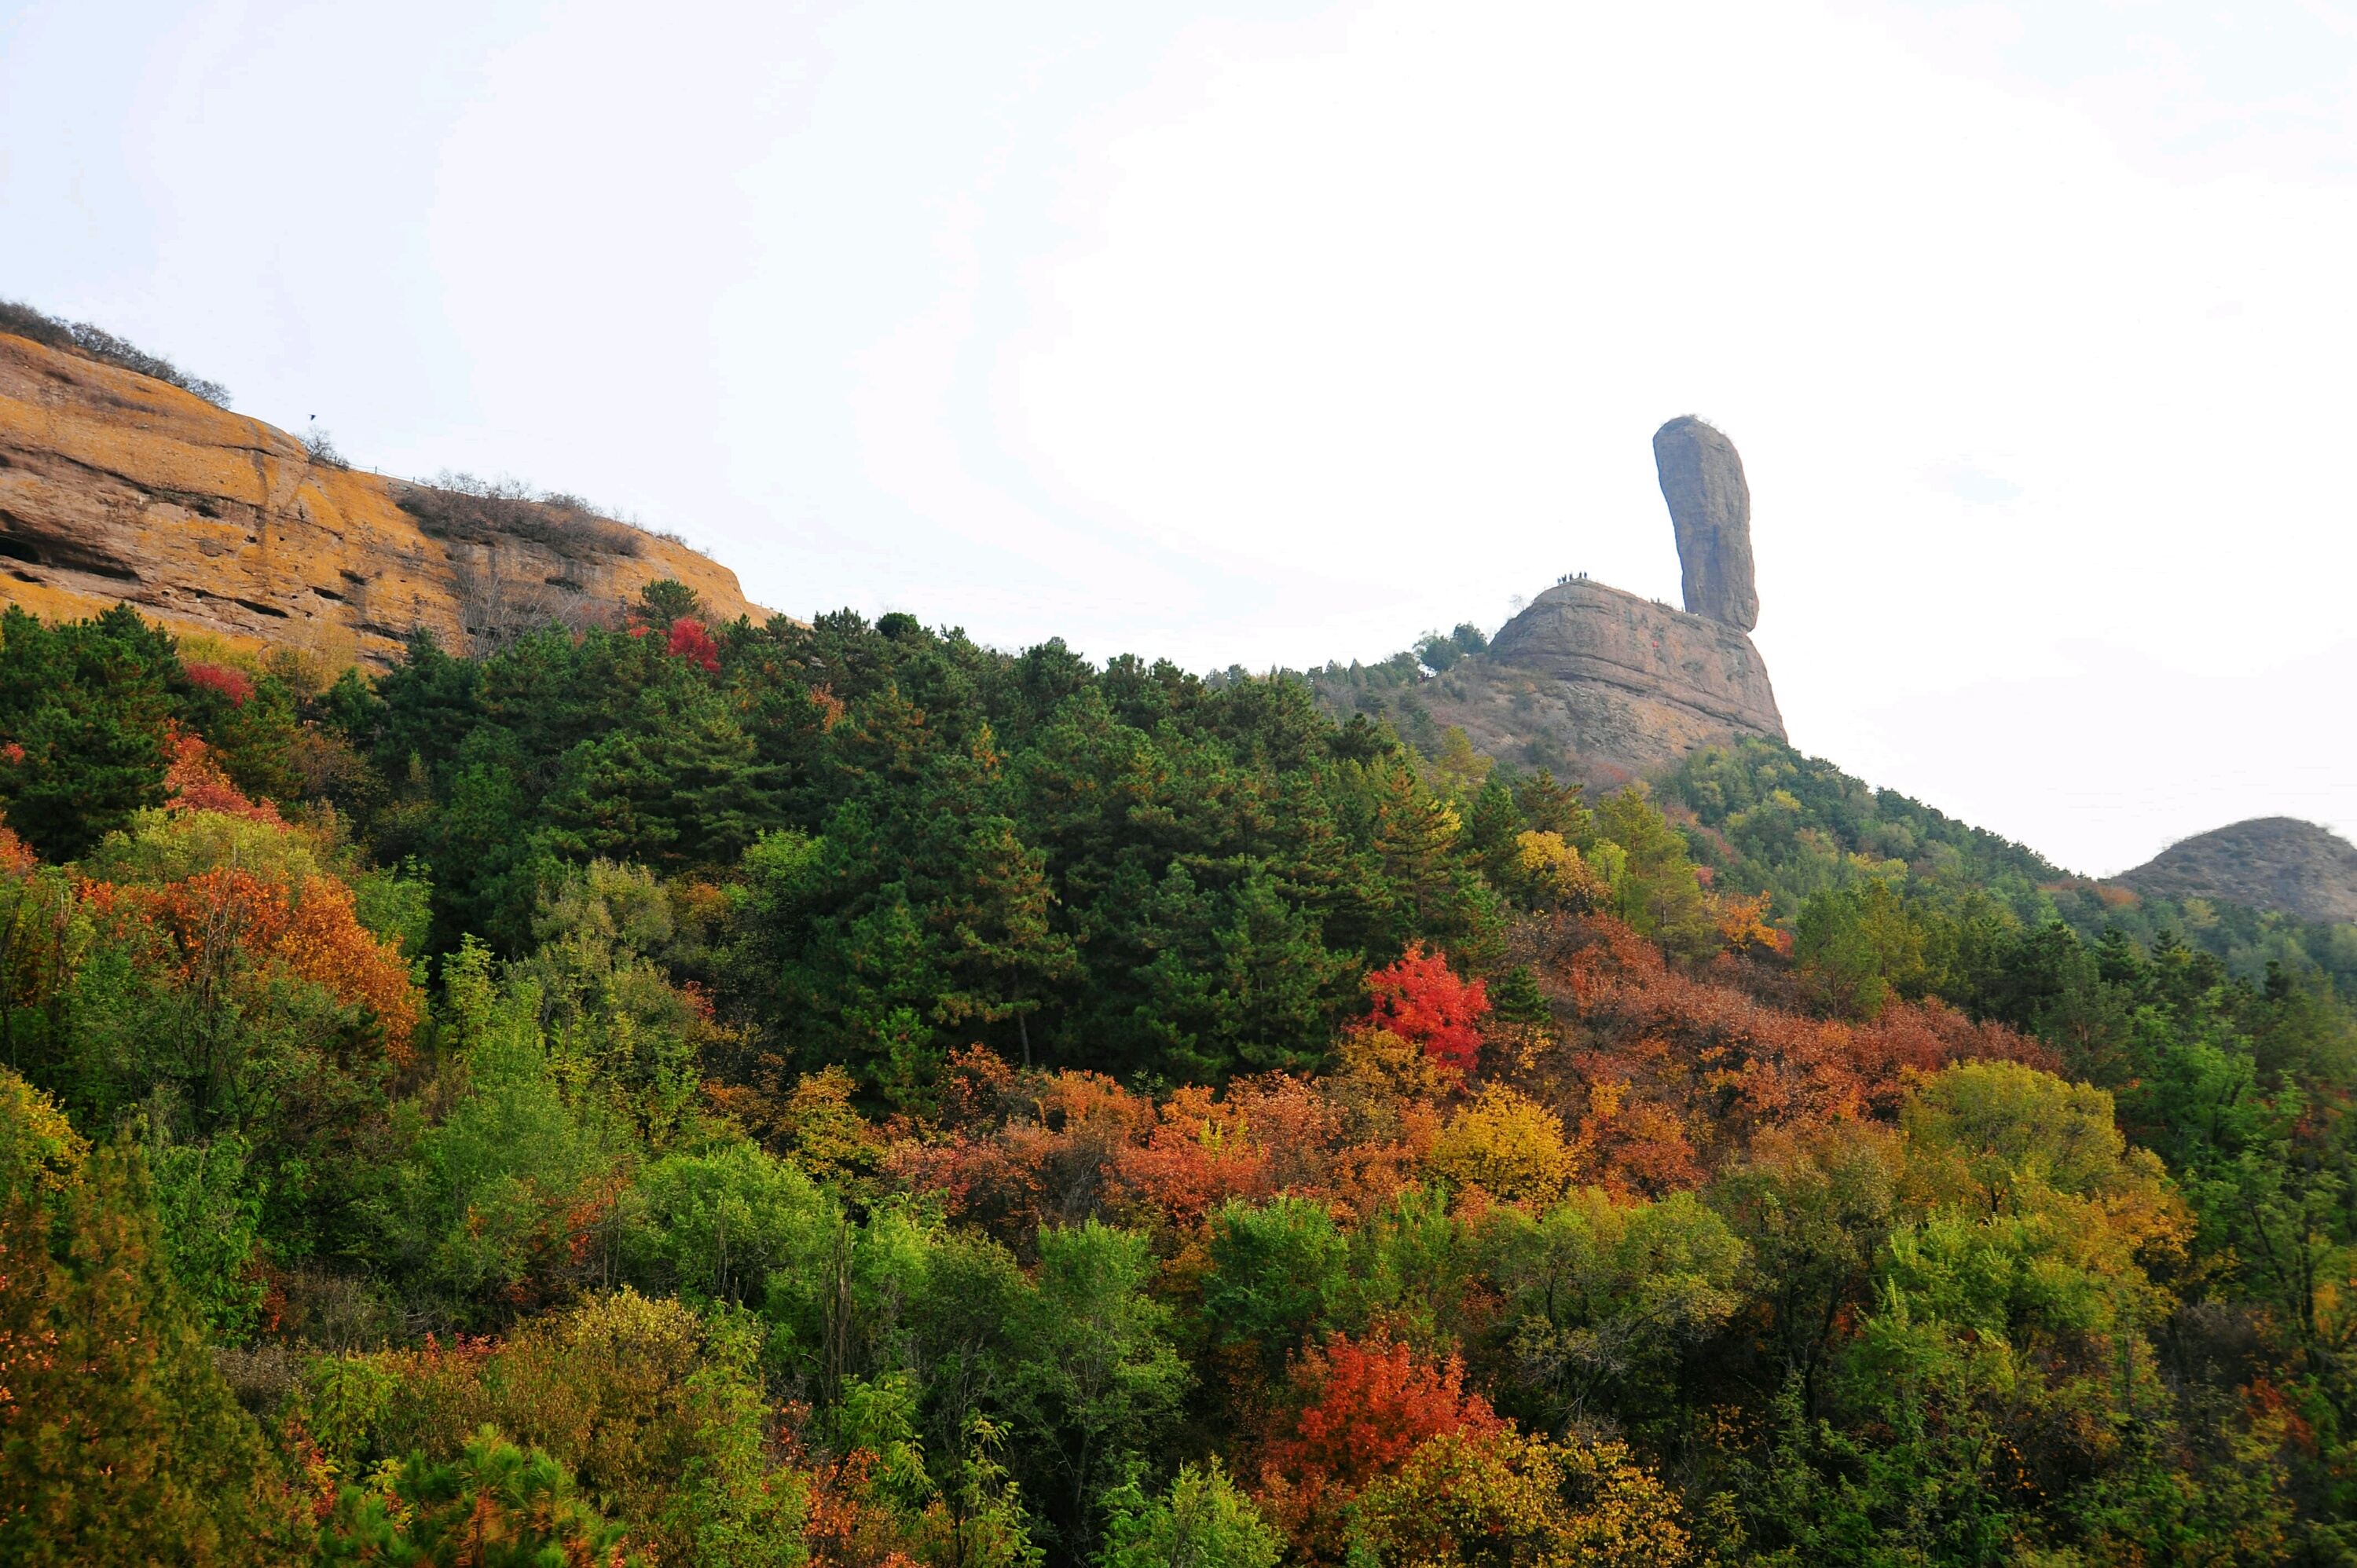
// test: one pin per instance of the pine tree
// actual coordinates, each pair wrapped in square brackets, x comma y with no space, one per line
[119,1440]
[83,711]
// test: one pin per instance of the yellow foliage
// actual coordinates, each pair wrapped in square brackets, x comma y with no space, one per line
[2001,1139]
[210,648]
[166,846]
[1403,1068]
[1507,1143]
[1502,1497]
[1554,871]
[1743,923]
[832,1142]
[36,1139]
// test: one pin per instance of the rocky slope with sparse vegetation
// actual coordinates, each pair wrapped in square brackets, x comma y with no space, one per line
[2267,863]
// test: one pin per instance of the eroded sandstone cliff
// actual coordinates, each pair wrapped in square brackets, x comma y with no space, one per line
[1600,684]
[114,486]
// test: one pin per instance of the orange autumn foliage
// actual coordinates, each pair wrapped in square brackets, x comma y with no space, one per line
[326,944]
[17,857]
[220,926]
[194,782]
[847,1527]
[1667,1075]
[199,927]
[1372,1404]
[1024,1149]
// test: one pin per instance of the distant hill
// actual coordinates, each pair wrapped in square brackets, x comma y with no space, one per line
[2267,863]
[1764,818]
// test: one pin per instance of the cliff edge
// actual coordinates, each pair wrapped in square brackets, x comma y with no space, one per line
[116,485]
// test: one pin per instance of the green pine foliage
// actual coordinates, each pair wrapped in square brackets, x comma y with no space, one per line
[1767,819]
[838,1096]
[119,1440]
[495,1506]
[939,844]
[85,707]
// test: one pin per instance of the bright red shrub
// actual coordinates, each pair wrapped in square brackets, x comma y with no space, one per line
[1420,999]
[234,684]
[689,640]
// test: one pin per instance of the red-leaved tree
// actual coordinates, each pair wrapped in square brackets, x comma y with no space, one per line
[1421,1000]
[689,640]
[1372,1403]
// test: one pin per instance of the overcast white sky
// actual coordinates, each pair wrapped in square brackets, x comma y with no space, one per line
[1278,333]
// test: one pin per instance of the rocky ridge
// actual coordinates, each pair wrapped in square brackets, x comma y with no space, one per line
[2268,862]
[118,487]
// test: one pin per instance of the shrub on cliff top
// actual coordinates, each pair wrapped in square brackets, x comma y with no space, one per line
[86,342]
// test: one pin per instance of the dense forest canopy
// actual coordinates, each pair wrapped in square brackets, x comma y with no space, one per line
[841,1094]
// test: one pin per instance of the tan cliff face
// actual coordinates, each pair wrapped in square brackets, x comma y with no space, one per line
[1585,632]
[115,486]
[1601,685]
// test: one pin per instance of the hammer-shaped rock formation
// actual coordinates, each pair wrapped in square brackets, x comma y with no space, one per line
[114,486]
[1597,684]
[1710,506]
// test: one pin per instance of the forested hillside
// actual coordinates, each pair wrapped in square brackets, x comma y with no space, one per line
[841,1094]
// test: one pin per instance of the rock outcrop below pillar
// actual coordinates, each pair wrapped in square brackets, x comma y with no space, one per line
[1710,505]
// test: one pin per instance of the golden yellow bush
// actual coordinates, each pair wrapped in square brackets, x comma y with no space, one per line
[38,1144]
[1502,1499]
[1507,1143]
[1553,872]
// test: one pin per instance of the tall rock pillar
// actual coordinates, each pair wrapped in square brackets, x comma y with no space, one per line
[1702,478]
